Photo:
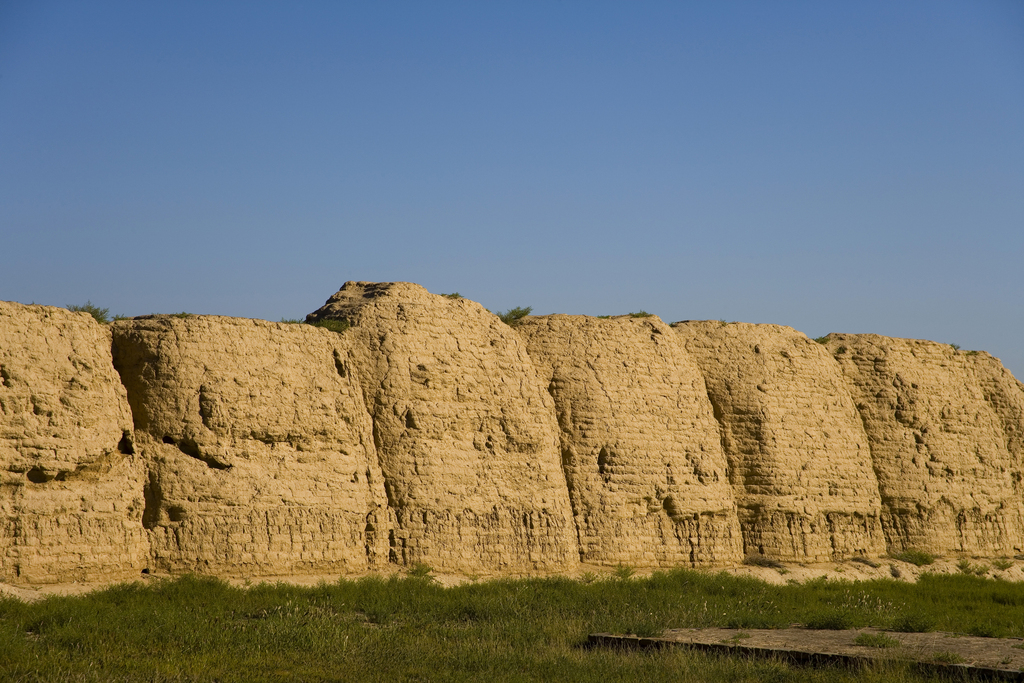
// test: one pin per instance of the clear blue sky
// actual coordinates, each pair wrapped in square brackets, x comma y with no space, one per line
[834,166]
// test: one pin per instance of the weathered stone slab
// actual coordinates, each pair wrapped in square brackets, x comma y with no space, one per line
[934,652]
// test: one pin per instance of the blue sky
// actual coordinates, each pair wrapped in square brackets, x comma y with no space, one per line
[841,166]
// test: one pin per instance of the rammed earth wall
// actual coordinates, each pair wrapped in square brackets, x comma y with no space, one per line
[432,432]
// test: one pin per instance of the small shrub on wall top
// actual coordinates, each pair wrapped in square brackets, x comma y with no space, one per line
[332,325]
[101,315]
[514,316]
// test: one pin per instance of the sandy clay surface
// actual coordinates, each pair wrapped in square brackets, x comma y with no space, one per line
[879,568]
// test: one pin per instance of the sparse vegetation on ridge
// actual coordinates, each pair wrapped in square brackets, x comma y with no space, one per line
[514,316]
[338,326]
[100,315]
[372,629]
[640,314]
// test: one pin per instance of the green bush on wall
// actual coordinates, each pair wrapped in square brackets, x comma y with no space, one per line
[332,325]
[101,315]
[514,316]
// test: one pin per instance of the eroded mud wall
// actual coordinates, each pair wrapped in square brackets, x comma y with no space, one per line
[940,442]
[798,455]
[70,479]
[465,432]
[639,444]
[259,447]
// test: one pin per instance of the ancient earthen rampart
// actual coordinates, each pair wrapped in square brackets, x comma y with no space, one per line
[640,447]
[798,455]
[71,488]
[259,446]
[465,431]
[432,432]
[941,425]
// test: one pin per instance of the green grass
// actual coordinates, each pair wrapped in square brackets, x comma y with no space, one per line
[947,657]
[915,557]
[966,567]
[100,315]
[453,295]
[640,314]
[338,326]
[879,640]
[514,316]
[413,629]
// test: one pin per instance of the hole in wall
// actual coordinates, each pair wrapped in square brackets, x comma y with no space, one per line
[604,464]
[125,446]
[37,475]
[153,496]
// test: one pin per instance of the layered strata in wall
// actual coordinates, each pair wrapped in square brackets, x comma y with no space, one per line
[941,425]
[464,429]
[70,477]
[259,447]
[799,460]
[639,444]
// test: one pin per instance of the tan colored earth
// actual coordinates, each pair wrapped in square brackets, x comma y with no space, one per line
[430,432]
[640,447]
[940,425]
[798,456]
[71,479]
[260,449]
[465,431]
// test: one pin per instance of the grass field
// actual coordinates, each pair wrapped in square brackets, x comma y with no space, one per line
[412,629]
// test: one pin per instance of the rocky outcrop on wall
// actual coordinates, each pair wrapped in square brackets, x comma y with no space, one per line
[640,446]
[70,480]
[260,448]
[798,456]
[941,425]
[465,432]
